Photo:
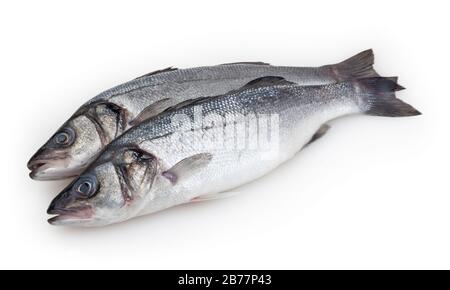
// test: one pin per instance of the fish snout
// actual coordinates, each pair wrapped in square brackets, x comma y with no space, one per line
[65,211]
[48,164]
[37,159]
[59,204]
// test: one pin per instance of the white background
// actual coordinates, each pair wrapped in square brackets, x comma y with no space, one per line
[373,193]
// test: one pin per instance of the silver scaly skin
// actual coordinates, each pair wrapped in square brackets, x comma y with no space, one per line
[107,116]
[168,160]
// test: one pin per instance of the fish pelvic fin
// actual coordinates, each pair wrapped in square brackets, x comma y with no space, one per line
[355,67]
[213,196]
[377,98]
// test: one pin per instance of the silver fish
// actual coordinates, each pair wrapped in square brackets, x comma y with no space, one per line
[105,117]
[202,148]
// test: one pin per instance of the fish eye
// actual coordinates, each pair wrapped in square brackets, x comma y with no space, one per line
[86,186]
[64,137]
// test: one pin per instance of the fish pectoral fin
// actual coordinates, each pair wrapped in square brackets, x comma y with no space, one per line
[266,81]
[153,110]
[213,196]
[319,133]
[187,167]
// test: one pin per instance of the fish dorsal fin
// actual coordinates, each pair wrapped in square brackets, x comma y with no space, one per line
[153,110]
[247,62]
[266,81]
[168,69]
[259,82]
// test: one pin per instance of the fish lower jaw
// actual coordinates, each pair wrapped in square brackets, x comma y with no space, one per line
[70,217]
[46,171]
[60,220]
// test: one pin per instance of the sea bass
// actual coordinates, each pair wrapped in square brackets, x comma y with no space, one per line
[204,147]
[105,117]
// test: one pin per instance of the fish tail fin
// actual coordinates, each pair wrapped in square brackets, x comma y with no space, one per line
[355,67]
[377,98]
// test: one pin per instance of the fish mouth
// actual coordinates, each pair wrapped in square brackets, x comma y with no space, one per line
[38,167]
[51,169]
[34,165]
[70,216]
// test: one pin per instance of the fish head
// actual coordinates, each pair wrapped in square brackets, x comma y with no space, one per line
[111,190]
[78,141]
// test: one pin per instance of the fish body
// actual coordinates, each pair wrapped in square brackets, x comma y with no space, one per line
[107,116]
[201,148]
